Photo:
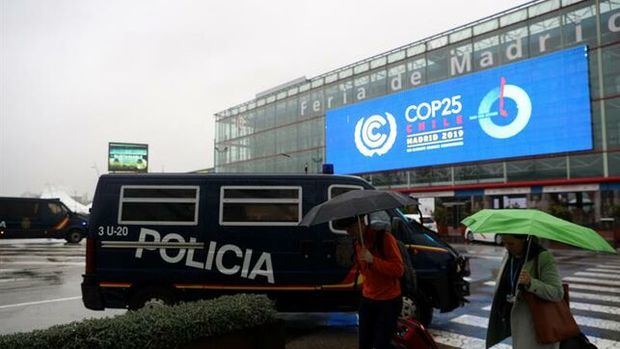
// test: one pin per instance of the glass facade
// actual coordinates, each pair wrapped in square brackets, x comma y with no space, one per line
[284,131]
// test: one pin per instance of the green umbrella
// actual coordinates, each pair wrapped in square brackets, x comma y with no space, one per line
[537,223]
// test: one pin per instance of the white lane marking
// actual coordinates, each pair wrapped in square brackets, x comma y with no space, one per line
[592,288]
[598,323]
[12,280]
[479,321]
[471,320]
[593,264]
[597,275]
[593,296]
[595,308]
[489,283]
[604,343]
[9,270]
[487,257]
[487,308]
[601,270]
[592,281]
[45,263]
[40,302]
[460,341]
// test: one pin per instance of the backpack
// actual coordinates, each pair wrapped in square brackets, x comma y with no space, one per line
[409,280]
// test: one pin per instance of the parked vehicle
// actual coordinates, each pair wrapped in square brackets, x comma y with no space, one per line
[162,238]
[40,218]
[486,237]
[426,220]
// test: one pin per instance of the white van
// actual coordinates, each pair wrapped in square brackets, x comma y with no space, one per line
[486,237]
[427,220]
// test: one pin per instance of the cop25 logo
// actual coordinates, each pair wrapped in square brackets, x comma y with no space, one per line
[523,112]
[369,141]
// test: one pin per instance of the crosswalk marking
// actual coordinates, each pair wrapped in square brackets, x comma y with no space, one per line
[601,270]
[597,308]
[598,275]
[472,320]
[592,296]
[593,288]
[603,343]
[461,341]
[598,323]
[592,281]
[479,321]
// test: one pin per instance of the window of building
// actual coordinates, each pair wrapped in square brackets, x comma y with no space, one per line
[545,36]
[583,166]
[611,70]
[486,52]
[416,72]
[260,205]
[158,205]
[580,25]
[610,21]
[377,83]
[612,116]
[514,44]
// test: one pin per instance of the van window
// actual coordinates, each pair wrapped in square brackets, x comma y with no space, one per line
[158,205]
[335,190]
[56,209]
[17,209]
[240,205]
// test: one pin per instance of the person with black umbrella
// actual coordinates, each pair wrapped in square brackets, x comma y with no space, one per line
[379,261]
[377,258]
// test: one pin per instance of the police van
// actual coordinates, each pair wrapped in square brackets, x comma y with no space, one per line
[40,218]
[164,238]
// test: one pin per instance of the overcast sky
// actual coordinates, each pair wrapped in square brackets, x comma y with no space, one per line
[75,75]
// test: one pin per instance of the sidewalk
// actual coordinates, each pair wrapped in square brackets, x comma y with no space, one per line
[330,338]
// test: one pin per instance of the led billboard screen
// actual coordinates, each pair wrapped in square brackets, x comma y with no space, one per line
[128,157]
[531,107]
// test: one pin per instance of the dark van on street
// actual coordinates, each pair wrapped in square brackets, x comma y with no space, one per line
[164,238]
[40,218]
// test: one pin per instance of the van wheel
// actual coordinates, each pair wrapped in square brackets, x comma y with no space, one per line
[151,297]
[498,239]
[418,308]
[470,236]
[74,236]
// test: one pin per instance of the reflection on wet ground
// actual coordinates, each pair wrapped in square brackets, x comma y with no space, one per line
[37,262]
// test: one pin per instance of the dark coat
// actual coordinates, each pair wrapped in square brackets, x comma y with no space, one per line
[546,284]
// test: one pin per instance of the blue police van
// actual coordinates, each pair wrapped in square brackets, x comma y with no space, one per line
[165,238]
[22,218]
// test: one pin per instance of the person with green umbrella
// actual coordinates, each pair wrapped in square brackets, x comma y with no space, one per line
[530,269]
[534,271]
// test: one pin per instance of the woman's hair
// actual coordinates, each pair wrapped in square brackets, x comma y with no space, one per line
[535,247]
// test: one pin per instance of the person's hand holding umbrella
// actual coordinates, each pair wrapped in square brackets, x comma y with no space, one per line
[525,279]
[366,256]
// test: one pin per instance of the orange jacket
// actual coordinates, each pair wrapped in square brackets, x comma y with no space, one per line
[382,276]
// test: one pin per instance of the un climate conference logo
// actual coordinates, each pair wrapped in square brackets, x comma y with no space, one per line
[523,112]
[368,141]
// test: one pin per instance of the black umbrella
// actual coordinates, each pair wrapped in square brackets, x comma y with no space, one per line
[355,203]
